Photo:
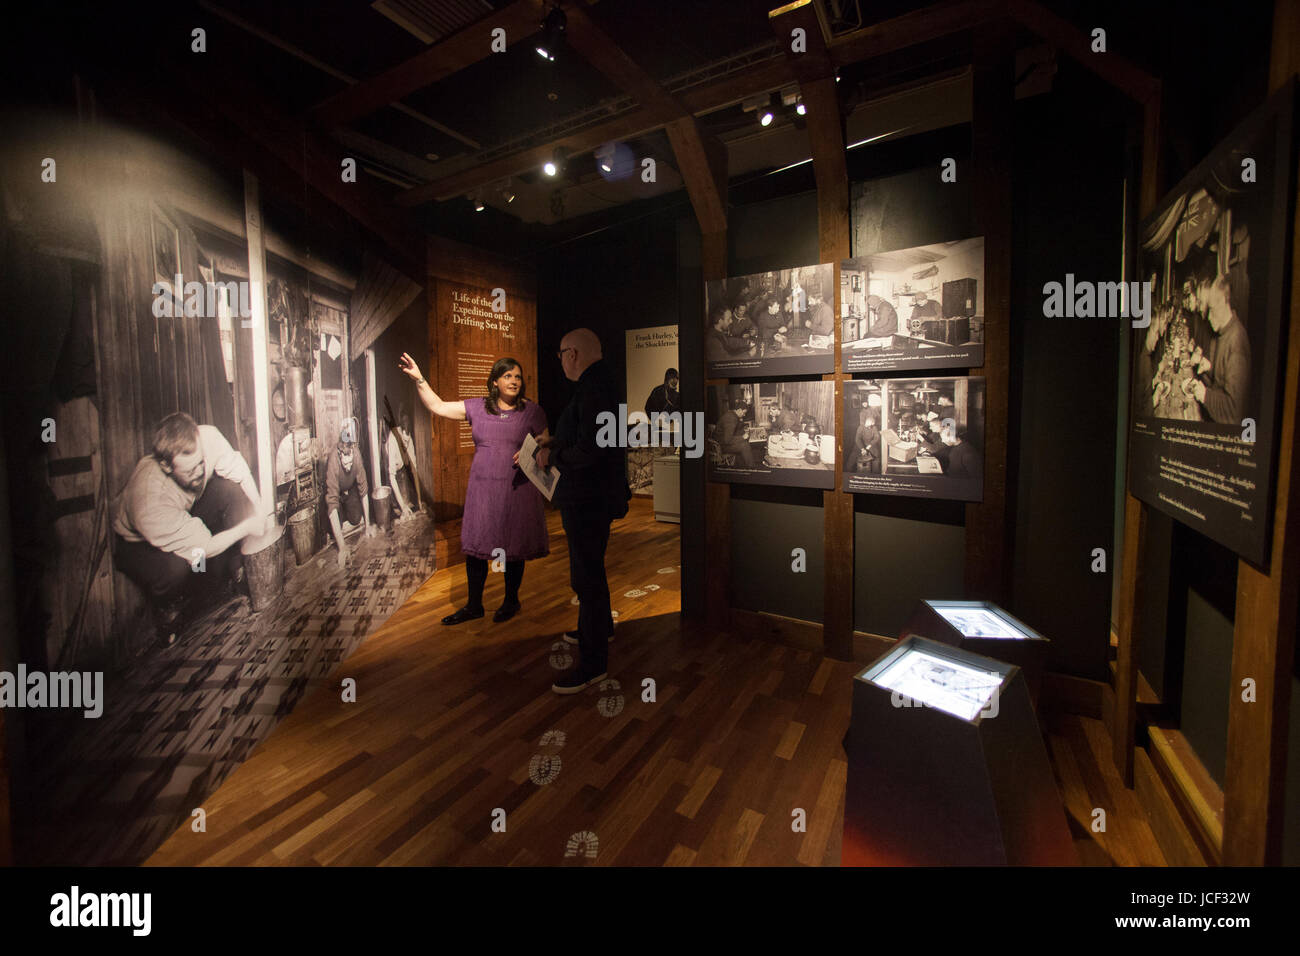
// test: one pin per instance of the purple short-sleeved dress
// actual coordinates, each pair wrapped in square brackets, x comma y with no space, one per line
[502,508]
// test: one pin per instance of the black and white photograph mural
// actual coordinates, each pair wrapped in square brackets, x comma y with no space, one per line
[218,479]
[772,433]
[771,323]
[913,308]
[1205,373]
[923,438]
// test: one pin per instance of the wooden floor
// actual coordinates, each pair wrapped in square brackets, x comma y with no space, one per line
[457,752]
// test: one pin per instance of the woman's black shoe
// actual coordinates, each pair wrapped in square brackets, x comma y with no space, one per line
[463,615]
[505,612]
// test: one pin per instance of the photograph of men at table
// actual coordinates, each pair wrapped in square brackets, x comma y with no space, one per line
[772,323]
[915,307]
[917,437]
[772,433]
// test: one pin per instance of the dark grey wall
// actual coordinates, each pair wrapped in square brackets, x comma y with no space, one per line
[1067,218]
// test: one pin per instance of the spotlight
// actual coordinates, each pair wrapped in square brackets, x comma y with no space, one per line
[507,193]
[766,118]
[478,204]
[556,164]
[553,33]
[604,156]
[800,108]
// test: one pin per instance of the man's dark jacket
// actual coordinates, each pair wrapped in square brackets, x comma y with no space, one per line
[590,475]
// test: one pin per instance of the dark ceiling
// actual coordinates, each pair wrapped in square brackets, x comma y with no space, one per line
[286,58]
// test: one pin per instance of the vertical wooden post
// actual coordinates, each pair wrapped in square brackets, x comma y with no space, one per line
[1263,637]
[826,133]
[717,495]
[812,64]
[993,100]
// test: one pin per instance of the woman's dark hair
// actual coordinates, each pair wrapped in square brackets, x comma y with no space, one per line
[499,368]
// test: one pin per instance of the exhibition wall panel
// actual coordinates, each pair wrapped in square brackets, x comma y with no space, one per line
[903,560]
[766,576]
[1063,405]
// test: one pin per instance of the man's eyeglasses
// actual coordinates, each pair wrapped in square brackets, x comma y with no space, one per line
[560,354]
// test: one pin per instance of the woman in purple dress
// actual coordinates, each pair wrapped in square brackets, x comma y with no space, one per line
[503,511]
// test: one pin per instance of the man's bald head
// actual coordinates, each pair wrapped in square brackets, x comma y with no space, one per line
[579,350]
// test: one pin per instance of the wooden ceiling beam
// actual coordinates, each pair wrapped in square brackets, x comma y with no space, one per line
[815,71]
[701,157]
[462,49]
[702,99]
[1121,73]
[910,29]
[894,34]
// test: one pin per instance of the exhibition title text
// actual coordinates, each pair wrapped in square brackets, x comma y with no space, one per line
[479,311]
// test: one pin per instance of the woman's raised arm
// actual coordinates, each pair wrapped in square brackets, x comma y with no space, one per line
[452,410]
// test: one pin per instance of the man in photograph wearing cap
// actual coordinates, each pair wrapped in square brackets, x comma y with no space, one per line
[347,489]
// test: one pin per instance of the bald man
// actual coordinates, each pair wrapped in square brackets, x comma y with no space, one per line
[593,491]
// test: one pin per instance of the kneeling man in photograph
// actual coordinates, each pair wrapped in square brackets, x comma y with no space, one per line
[193,497]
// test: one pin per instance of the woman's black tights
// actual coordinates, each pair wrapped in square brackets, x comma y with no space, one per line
[476,571]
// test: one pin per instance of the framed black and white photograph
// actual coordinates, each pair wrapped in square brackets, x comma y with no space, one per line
[771,323]
[772,433]
[914,308]
[1206,368]
[923,438]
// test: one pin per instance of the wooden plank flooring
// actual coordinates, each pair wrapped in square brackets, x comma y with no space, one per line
[453,725]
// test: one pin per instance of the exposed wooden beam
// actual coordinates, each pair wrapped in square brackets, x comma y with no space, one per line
[715,557]
[460,50]
[596,47]
[988,538]
[816,74]
[1264,632]
[909,29]
[297,53]
[464,176]
[1115,69]
[701,158]
[702,161]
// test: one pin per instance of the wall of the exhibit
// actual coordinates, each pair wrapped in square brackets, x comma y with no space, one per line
[1067,218]
[908,550]
[617,279]
[105,341]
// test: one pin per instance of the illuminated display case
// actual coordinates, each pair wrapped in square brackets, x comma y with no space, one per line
[984,628]
[946,765]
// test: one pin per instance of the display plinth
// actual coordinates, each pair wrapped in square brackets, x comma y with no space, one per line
[984,628]
[946,766]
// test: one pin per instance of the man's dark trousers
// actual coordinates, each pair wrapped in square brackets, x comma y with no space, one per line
[164,575]
[587,530]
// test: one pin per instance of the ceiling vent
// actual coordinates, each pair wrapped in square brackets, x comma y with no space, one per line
[431,20]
